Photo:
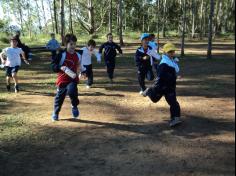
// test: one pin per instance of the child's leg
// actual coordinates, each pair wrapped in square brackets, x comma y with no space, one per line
[8,80]
[110,68]
[154,93]
[174,104]
[72,91]
[90,75]
[15,78]
[59,99]
[141,78]
[150,75]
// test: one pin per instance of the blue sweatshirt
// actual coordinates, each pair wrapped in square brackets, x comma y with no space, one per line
[53,45]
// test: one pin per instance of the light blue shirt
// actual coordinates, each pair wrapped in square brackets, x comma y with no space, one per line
[53,45]
[170,62]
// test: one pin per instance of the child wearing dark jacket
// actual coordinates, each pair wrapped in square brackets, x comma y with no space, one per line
[110,55]
[66,65]
[165,84]
[144,58]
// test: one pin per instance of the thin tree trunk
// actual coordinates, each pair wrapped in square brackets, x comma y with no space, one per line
[164,18]
[211,16]
[183,27]
[121,22]
[44,16]
[51,13]
[39,18]
[21,15]
[62,6]
[110,17]
[71,20]
[158,24]
[55,16]
[201,20]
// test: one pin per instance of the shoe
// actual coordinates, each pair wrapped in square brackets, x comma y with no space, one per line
[75,112]
[55,117]
[88,87]
[175,122]
[141,92]
[17,90]
[145,92]
[8,88]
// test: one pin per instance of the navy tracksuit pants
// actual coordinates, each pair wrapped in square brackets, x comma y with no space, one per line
[72,91]
[145,73]
[155,94]
[111,65]
[89,74]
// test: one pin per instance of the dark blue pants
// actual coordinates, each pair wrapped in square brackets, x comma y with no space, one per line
[89,74]
[54,55]
[111,65]
[143,73]
[72,91]
[155,94]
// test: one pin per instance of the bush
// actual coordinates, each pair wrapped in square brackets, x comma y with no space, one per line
[4,40]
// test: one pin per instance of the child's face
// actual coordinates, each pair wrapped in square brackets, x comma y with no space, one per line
[171,54]
[71,46]
[110,38]
[145,42]
[91,48]
[152,39]
[53,36]
[14,43]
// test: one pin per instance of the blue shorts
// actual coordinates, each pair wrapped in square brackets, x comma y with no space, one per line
[11,70]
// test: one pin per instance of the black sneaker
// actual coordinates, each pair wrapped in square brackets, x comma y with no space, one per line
[17,90]
[8,88]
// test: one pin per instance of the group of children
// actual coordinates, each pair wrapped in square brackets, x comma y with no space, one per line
[71,65]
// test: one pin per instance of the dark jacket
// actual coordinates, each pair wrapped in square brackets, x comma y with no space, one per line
[139,58]
[110,50]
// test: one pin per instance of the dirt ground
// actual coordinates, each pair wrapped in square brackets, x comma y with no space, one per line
[121,133]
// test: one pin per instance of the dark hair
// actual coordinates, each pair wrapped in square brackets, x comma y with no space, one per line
[152,35]
[109,34]
[52,34]
[69,38]
[92,43]
[14,38]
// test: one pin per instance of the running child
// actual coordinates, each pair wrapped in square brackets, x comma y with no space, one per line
[53,46]
[11,59]
[86,63]
[152,43]
[110,55]
[144,58]
[67,65]
[165,84]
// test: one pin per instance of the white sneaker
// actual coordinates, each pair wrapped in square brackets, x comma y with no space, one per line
[175,122]
[88,87]
[141,92]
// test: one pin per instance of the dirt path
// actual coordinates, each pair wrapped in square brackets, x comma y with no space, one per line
[121,133]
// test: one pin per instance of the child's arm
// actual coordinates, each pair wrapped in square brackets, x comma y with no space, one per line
[2,57]
[101,48]
[119,49]
[24,58]
[98,56]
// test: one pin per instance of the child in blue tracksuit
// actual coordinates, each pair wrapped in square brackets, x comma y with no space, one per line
[53,45]
[110,55]
[144,58]
[165,84]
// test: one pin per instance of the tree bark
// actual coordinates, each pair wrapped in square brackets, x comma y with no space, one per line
[55,16]
[62,13]
[183,27]
[110,17]
[121,22]
[70,17]
[211,16]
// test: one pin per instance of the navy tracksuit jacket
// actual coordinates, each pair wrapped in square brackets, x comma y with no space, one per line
[110,56]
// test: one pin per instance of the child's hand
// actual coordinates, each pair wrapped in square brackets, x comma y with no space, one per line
[26,62]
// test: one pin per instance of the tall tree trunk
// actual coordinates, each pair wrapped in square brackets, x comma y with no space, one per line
[70,17]
[110,17]
[91,17]
[164,18]
[201,20]
[44,16]
[51,13]
[121,22]
[158,24]
[62,13]
[211,16]
[39,18]
[184,4]
[55,16]
[193,17]
[21,15]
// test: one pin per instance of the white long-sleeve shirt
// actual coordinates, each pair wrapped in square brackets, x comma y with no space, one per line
[87,56]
